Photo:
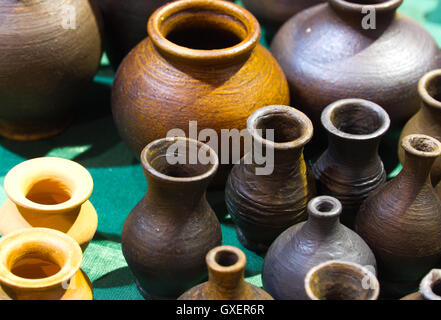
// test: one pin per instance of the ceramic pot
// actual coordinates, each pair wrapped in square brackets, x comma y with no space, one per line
[332,51]
[51,193]
[42,264]
[45,65]
[226,268]
[401,221]
[263,202]
[321,238]
[430,287]
[428,120]
[350,169]
[167,235]
[212,71]
[339,280]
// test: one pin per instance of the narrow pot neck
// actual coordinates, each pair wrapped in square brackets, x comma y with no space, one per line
[353,153]
[429,89]
[323,216]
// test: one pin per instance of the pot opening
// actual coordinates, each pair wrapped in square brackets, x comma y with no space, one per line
[423,144]
[49,192]
[226,258]
[325,206]
[436,287]
[433,87]
[356,119]
[285,127]
[35,266]
[367,2]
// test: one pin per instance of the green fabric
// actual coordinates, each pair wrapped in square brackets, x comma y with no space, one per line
[119,182]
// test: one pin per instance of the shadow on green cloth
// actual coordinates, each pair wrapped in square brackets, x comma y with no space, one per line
[118,278]
[435,15]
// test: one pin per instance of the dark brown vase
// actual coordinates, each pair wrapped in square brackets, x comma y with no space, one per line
[264,204]
[167,235]
[428,120]
[308,244]
[334,51]
[50,52]
[350,169]
[430,287]
[338,280]
[401,221]
[226,268]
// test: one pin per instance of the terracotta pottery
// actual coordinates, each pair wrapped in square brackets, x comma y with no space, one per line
[42,264]
[51,193]
[334,51]
[49,52]
[430,287]
[338,280]
[307,244]
[428,120]
[401,221]
[350,169]
[226,268]
[211,70]
[167,235]
[264,204]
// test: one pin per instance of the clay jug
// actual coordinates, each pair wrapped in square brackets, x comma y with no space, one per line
[339,280]
[212,71]
[166,236]
[321,238]
[430,287]
[42,264]
[51,193]
[428,120]
[350,169]
[401,221]
[262,202]
[355,48]
[226,268]
[50,53]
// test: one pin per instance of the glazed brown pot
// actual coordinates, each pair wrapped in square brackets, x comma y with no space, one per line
[166,236]
[44,64]
[211,70]
[226,268]
[430,287]
[264,204]
[350,169]
[428,120]
[307,244]
[327,54]
[401,221]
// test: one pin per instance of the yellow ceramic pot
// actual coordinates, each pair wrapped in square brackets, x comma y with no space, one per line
[50,193]
[42,264]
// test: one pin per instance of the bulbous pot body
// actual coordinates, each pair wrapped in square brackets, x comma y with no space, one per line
[49,52]
[334,51]
[321,238]
[166,236]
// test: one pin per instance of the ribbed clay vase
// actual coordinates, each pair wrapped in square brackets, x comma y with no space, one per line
[428,120]
[51,193]
[334,51]
[166,236]
[401,221]
[339,280]
[267,194]
[430,287]
[42,264]
[211,70]
[50,51]
[321,238]
[226,269]
[350,169]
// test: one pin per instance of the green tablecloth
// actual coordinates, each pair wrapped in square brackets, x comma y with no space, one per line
[119,181]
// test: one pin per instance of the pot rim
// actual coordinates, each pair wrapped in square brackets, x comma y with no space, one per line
[314,203]
[406,144]
[234,268]
[385,6]
[422,88]
[426,285]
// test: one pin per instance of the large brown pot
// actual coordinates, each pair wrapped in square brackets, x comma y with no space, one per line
[430,287]
[331,51]
[45,65]
[211,70]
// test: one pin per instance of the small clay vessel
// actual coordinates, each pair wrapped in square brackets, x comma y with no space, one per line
[307,244]
[42,264]
[430,287]
[339,280]
[50,52]
[350,169]
[226,268]
[263,202]
[211,70]
[343,48]
[401,221]
[428,120]
[51,193]
[166,236]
